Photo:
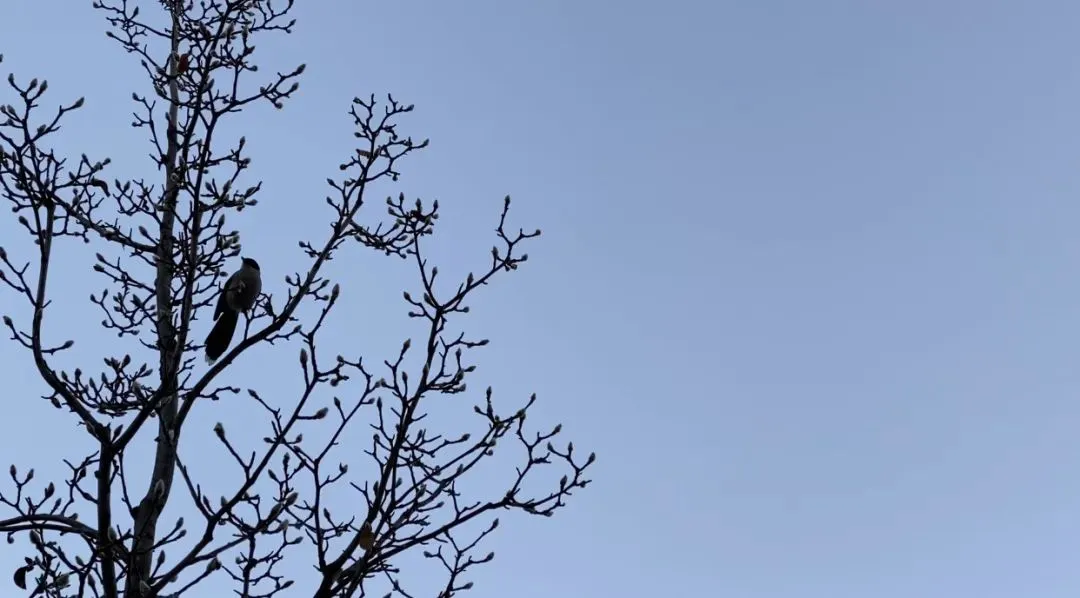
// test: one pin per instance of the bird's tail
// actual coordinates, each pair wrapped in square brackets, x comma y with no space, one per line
[221,335]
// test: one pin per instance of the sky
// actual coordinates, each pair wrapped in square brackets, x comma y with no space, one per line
[807,283]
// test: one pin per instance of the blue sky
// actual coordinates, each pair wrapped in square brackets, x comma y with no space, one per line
[807,283]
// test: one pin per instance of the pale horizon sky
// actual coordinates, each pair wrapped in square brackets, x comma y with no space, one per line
[807,285]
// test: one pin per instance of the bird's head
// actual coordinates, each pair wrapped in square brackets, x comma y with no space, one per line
[250,263]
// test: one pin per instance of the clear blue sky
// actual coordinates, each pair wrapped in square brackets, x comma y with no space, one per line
[808,283]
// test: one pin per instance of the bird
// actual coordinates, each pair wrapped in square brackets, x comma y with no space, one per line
[237,295]
[367,537]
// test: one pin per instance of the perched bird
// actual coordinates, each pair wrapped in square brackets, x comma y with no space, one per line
[238,295]
[367,537]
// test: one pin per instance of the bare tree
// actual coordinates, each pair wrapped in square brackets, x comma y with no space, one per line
[163,249]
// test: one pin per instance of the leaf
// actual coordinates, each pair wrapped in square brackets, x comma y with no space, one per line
[20,576]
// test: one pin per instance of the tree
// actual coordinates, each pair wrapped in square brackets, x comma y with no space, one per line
[162,250]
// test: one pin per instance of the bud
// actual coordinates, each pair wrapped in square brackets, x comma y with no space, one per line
[321,413]
[219,430]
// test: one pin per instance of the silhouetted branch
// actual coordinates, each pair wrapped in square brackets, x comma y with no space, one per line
[161,249]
